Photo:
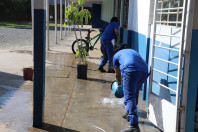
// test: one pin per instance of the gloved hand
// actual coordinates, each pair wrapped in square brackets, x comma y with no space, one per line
[118,39]
[119,89]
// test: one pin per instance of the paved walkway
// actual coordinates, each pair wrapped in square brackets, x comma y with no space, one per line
[70,104]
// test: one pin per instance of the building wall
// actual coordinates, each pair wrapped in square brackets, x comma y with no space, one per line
[138,24]
[138,17]
[107,12]
[138,36]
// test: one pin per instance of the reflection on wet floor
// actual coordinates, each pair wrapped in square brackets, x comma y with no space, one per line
[23,51]
[73,104]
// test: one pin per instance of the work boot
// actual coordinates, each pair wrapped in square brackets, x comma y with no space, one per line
[111,70]
[125,116]
[101,69]
[132,128]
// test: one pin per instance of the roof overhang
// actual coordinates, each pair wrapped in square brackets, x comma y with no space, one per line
[89,1]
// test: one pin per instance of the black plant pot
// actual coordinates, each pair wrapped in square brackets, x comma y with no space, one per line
[81,71]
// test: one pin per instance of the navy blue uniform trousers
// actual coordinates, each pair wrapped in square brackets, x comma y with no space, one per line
[132,83]
[107,49]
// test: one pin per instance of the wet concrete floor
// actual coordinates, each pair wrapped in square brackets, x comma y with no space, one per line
[76,105]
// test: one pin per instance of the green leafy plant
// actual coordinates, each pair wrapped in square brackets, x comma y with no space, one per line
[75,14]
[81,53]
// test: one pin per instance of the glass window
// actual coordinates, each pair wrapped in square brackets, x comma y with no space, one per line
[125,12]
[170,12]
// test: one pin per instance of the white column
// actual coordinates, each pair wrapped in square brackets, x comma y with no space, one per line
[70,27]
[32,6]
[55,12]
[67,25]
[47,20]
[61,19]
[65,16]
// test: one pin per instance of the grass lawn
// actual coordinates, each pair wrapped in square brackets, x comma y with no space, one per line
[21,24]
[15,24]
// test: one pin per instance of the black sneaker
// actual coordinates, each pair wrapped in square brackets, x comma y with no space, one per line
[111,70]
[125,116]
[132,128]
[101,69]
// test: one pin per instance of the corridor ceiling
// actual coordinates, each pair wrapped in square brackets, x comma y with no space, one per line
[86,1]
[89,1]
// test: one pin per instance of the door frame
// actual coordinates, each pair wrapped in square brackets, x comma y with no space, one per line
[181,119]
[188,37]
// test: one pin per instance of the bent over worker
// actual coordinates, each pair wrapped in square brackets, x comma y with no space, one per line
[110,33]
[134,72]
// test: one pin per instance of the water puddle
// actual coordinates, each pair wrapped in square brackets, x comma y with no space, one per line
[112,101]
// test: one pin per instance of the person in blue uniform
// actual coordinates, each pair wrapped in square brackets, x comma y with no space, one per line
[134,71]
[110,33]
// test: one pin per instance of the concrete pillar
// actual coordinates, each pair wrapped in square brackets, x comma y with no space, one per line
[61,19]
[55,12]
[70,27]
[39,40]
[67,25]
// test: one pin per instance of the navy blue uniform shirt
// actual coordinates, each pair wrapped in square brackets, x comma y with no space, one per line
[129,60]
[109,32]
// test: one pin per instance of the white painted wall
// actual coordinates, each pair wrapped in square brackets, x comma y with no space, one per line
[139,16]
[107,10]
[38,4]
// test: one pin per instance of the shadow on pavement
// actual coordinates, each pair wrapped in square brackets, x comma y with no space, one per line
[98,80]
[142,113]
[149,124]
[9,84]
[54,128]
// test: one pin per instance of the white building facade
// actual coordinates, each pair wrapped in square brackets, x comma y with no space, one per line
[165,33]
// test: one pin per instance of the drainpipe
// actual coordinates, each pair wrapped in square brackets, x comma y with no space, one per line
[47,20]
[55,12]
[61,19]
[116,8]
[121,13]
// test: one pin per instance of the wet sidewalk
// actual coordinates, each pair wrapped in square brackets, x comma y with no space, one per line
[73,104]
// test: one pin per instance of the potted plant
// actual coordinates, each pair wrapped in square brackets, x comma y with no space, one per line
[75,14]
[81,66]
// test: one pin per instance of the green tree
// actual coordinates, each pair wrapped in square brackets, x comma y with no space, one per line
[75,15]
[15,10]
